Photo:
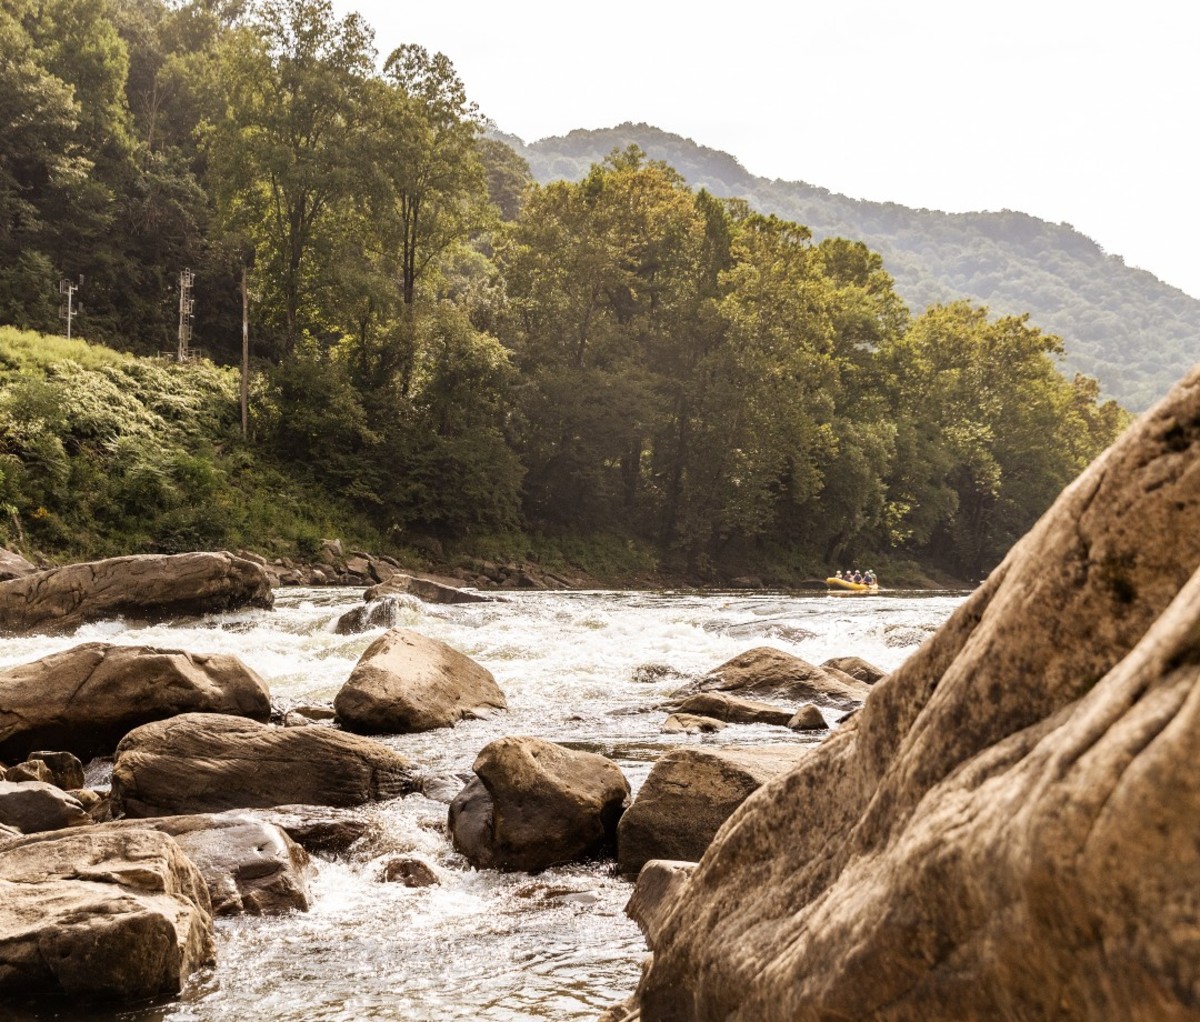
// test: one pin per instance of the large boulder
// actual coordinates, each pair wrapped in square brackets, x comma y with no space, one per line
[210,762]
[406,682]
[423,589]
[143,586]
[688,794]
[13,565]
[534,804]
[733,710]
[100,914]
[250,866]
[86,699]
[35,806]
[769,673]
[1007,829]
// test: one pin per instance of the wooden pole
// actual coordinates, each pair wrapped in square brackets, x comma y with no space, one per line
[245,357]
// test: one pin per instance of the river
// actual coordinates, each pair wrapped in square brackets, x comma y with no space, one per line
[579,668]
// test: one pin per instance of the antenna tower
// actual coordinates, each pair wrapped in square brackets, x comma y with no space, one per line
[186,304]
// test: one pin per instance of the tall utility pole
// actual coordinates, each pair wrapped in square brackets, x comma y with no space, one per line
[186,304]
[66,309]
[245,357]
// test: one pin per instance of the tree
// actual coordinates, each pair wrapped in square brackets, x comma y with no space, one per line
[287,153]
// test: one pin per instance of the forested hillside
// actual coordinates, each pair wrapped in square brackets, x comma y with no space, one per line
[1131,331]
[443,349]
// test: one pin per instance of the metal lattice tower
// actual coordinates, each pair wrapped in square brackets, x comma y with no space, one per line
[186,305]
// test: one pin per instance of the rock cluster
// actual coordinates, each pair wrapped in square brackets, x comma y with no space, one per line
[1007,827]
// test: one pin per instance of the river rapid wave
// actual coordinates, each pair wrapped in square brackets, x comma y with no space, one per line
[584,669]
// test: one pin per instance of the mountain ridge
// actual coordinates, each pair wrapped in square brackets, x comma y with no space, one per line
[1132,331]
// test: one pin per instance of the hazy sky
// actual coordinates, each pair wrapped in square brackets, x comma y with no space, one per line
[1084,112]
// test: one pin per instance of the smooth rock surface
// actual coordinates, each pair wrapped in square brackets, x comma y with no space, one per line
[406,682]
[114,915]
[1007,829]
[86,699]
[35,806]
[689,793]
[143,586]
[769,673]
[211,762]
[734,710]
[535,804]
[250,866]
[807,718]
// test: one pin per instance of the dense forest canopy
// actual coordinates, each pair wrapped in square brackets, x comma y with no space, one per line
[442,346]
[1131,331]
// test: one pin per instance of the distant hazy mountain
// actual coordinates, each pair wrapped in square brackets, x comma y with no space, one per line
[1124,326]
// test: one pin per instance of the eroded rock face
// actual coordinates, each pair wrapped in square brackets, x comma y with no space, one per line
[249,866]
[688,794]
[87,699]
[1007,828]
[406,682]
[768,673]
[122,915]
[535,804]
[143,586]
[211,762]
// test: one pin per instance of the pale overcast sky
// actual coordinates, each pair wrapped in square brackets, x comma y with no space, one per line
[1084,112]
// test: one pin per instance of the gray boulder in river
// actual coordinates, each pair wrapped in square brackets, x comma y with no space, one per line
[210,762]
[1007,829]
[534,804]
[769,673]
[406,682]
[250,866]
[688,794]
[84,700]
[96,913]
[143,586]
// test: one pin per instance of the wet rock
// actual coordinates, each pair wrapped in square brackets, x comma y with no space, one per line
[689,794]
[653,673]
[856,667]
[101,914]
[1007,829]
[250,866]
[210,762]
[733,710]
[410,873]
[319,829]
[143,586]
[424,589]
[773,674]
[34,806]
[406,682]
[66,771]
[807,718]
[691,724]
[381,613]
[443,787]
[86,699]
[535,804]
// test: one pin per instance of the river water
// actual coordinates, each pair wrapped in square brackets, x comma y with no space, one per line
[580,668]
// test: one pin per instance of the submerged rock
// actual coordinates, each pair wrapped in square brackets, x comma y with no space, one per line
[210,762]
[1007,829]
[144,586]
[97,913]
[534,804]
[406,682]
[88,698]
